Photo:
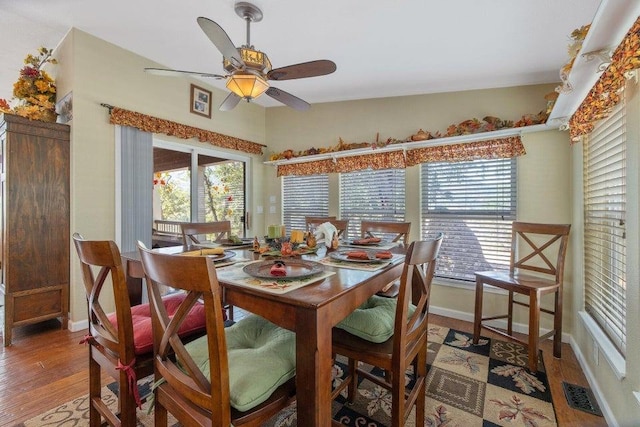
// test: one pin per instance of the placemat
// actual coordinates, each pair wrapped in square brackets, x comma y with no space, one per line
[236,276]
[359,265]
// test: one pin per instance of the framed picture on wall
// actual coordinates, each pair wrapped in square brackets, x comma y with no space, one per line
[200,101]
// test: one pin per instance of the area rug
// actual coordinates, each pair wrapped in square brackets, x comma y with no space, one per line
[468,385]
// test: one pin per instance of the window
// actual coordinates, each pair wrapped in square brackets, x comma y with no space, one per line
[604,226]
[304,196]
[473,203]
[375,195]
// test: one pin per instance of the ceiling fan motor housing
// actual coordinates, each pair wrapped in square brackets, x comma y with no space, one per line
[253,59]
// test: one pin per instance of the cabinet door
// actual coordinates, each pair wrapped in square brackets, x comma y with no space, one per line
[37,212]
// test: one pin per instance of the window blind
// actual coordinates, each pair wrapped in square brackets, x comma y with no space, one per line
[304,196]
[375,195]
[604,181]
[473,203]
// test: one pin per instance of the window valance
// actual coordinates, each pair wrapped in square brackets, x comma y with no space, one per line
[605,94]
[500,148]
[120,116]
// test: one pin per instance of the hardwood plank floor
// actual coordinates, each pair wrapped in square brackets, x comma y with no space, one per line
[46,367]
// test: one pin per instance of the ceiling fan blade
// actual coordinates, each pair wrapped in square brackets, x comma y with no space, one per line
[230,102]
[174,73]
[320,67]
[287,99]
[221,40]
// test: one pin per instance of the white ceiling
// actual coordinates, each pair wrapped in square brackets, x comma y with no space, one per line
[381,47]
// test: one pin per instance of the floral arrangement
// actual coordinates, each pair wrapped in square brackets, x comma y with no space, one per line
[471,126]
[35,90]
[577,36]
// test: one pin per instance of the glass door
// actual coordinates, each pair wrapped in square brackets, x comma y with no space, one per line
[196,186]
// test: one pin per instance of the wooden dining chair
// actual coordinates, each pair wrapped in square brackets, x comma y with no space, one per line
[394,231]
[241,375]
[314,221]
[121,342]
[198,232]
[391,334]
[540,248]
[340,225]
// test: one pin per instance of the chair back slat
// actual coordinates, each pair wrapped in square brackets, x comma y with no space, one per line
[193,232]
[103,256]
[415,288]
[545,244]
[396,231]
[341,225]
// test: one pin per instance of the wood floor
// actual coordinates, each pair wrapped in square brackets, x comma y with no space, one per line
[46,367]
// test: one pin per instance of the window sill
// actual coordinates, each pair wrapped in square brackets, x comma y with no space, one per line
[604,346]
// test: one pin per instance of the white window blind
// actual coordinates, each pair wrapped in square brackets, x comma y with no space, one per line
[304,196]
[604,228]
[375,195]
[473,203]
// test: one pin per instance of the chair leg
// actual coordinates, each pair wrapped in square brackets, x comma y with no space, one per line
[94,391]
[160,418]
[421,374]
[477,320]
[534,329]
[557,325]
[126,402]
[397,400]
[231,313]
[510,315]
[353,385]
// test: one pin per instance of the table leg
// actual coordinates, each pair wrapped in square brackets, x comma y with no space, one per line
[313,367]
[477,321]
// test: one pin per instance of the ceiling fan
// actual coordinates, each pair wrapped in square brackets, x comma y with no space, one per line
[249,70]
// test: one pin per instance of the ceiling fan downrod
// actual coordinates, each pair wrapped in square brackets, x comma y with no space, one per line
[250,13]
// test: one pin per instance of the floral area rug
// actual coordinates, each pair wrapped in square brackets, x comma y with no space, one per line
[468,385]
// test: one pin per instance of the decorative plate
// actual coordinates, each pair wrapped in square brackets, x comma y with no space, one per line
[216,257]
[342,256]
[355,243]
[295,268]
[245,242]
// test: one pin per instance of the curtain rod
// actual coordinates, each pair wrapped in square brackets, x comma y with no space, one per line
[110,107]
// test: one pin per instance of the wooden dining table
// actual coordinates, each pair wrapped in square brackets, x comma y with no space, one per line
[311,312]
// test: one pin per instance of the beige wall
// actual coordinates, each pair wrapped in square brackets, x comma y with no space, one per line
[99,72]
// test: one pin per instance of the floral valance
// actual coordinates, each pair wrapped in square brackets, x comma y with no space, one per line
[605,94]
[491,149]
[384,160]
[152,124]
[502,148]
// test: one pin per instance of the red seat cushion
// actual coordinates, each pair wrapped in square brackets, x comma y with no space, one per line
[141,320]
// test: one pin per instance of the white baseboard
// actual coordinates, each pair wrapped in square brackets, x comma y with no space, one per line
[517,327]
[78,326]
[602,403]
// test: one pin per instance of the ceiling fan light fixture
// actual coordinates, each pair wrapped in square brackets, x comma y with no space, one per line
[247,86]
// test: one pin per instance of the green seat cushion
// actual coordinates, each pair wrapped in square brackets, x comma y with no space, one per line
[262,356]
[374,320]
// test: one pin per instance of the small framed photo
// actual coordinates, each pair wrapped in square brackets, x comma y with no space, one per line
[200,101]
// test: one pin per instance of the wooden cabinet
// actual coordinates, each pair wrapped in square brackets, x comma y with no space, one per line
[34,239]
